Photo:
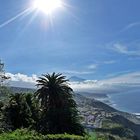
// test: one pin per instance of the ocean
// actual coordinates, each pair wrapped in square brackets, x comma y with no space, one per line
[129,102]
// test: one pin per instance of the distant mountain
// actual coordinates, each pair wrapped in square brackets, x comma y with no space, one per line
[21,90]
[76,79]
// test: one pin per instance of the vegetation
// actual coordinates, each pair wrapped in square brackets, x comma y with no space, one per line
[59,110]
[115,131]
[50,110]
[4,93]
[25,134]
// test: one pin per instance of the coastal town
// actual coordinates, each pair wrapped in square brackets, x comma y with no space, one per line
[91,117]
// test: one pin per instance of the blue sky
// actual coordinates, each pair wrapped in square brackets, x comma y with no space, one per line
[93,39]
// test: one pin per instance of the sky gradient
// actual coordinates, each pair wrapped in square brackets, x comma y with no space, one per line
[92,39]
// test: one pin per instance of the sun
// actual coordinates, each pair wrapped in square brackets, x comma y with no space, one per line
[47,6]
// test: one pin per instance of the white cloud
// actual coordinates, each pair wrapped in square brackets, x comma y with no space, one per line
[119,84]
[22,80]
[130,78]
[120,48]
[92,66]
[129,26]
[124,49]
[77,72]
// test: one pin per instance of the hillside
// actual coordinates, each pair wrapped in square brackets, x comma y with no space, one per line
[18,89]
[100,116]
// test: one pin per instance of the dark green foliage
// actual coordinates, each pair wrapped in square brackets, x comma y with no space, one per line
[17,111]
[21,111]
[34,108]
[59,112]
[1,105]
[54,110]
[4,93]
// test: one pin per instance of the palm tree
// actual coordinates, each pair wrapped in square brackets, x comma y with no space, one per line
[59,113]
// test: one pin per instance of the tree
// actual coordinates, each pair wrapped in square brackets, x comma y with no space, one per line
[59,110]
[34,108]
[4,93]
[17,112]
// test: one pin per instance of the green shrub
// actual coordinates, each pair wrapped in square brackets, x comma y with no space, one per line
[21,134]
[63,137]
[92,136]
[25,134]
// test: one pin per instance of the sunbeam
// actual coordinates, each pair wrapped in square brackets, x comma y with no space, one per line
[35,7]
[26,11]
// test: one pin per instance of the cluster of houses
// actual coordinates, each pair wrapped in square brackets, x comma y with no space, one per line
[92,117]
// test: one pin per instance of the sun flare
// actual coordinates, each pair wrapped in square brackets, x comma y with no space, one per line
[47,6]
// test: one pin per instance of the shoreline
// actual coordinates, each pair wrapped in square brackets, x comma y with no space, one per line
[118,104]
[137,115]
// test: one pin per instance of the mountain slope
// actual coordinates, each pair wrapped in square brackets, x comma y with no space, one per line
[103,113]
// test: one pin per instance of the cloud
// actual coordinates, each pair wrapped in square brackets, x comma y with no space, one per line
[120,48]
[118,73]
[109,62]
[77,72]
[124,49]
[120,84]
[92,66]
[129,26]
[129,78]
[22,80]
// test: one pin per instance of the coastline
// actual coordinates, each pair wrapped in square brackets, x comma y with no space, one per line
[137,115]
[122,102]
[125,102]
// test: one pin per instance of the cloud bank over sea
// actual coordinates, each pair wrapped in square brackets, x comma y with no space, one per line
[129,82]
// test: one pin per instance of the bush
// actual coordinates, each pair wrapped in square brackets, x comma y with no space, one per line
[63,137]
[21,134]
[25,134]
